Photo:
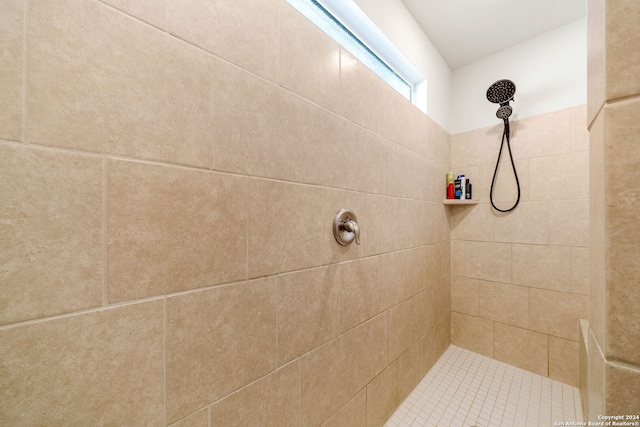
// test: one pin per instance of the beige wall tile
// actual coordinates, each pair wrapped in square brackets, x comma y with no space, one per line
[596,57]
[382,396]
[472,222]
[557,313]
[11,63]
[135,91]
[483,145]
[458,145]
[580,271]
[504,303]
[622,231]
[400,328]
[308,310]
[472,333]
[428,347]
[102,367]
[546,267]
[559,177]
[402,177]
[464,295]
[408,372]
[359,93]
[309,59]
[596,386]
[530,353]
[51,228]
[324,382]
[442,298]
[569,223]
[528,223]
[270,401]
[391,115]
[218,341]
[443,335]
[151,11]
[597,228]
[278,241]
[381,233]
[623,389]
[622,56]
[302,148]
[171,229]
[359,291]
[333,373]
[424,312]
[371,167]
[543,135]
[488,261]
[367,350]
[579,129]
[353,414]
[409,212]
[244,32]
[402,275]
[197,419]
[439,146]
[458,258]
[564,361]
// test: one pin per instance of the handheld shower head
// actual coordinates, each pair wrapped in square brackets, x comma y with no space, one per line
[501,92]
[504,112]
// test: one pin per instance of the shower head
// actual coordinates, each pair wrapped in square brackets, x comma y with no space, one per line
[504,112]
[501,92]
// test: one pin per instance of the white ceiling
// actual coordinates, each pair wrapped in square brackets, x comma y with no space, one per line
[466,30]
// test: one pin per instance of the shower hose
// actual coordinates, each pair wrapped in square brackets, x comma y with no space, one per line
[505,137]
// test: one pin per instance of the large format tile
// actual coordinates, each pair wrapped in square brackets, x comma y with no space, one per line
[352,414]
[560,177]
[564,361]
[382,396]
[557,313]
[172,229]
[359,92]
[271,401]
[622,54]
[528,223]
[99,368]
[308,310]
[531,351]
[135,90]
[472,333]
[309,59]
[464,295]
[545,267]
[401,321]
[218,341]
[51,232]
[504,303]
[244,33]
[151,11]
[488,261]
[11,66]
[622,232]
[569,223]
[285,227]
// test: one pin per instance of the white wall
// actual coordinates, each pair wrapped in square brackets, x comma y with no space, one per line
[550,73]
[395,21]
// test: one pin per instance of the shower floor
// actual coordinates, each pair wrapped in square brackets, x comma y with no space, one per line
[467,389]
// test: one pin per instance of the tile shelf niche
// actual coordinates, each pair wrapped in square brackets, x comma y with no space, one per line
[460,202]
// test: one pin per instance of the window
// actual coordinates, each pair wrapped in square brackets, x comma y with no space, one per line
[333,17]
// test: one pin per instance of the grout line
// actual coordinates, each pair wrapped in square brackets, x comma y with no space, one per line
[25,68]
[105,260]
[164,341]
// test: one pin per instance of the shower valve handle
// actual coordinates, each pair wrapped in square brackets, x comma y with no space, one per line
[345,227]
[352,227]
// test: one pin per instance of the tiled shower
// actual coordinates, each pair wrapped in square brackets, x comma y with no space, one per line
[169,176]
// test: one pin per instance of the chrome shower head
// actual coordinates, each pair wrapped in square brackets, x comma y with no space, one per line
[501,92]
